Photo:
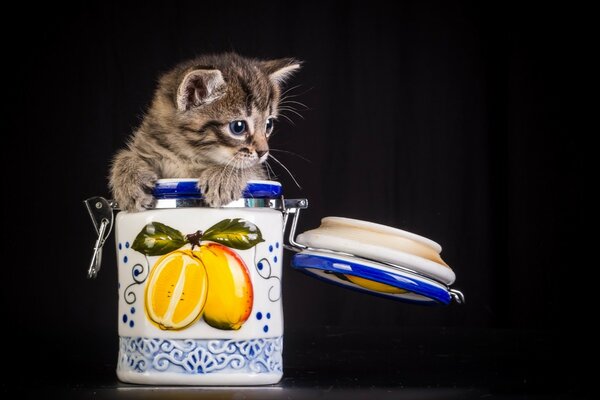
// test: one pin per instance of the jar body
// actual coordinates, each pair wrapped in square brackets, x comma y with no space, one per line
[237,337]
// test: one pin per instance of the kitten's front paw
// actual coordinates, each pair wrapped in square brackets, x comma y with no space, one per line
[136,196]
[218,195]
[143,201]
[218,192]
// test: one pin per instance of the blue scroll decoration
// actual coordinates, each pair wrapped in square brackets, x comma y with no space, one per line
[200,356]
[265,270]
[139,274]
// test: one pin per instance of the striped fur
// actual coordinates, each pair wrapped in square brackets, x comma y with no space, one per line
[185,132]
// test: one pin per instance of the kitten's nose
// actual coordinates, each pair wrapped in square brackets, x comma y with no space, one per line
[261,153]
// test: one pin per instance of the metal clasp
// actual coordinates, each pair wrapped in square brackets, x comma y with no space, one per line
[293,206]
[457,296]
[101,212]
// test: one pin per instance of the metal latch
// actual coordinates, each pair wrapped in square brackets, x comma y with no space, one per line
[101,212]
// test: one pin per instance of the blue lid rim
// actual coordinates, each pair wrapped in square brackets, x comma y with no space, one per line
[430,303]
[413,284]
[188,189]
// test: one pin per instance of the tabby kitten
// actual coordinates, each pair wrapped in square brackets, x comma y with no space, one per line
[210,119]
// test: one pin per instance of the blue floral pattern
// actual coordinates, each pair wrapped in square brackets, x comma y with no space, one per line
[200,356]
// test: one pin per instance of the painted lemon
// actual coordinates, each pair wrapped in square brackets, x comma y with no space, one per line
[177,290]
[230,298]
[376,286]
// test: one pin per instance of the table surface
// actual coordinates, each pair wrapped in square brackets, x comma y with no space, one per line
[346,363]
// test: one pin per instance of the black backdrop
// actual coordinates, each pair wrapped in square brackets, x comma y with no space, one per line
[443,118]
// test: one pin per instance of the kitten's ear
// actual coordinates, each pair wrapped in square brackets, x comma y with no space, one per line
[201,86]
[281,69]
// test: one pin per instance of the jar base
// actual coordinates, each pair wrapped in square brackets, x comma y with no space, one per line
[215,379]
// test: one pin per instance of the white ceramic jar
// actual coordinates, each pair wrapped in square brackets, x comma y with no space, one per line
[200,289]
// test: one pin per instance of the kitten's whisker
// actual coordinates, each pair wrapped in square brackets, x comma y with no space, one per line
[270,173]
[224,170]
[289,90]
[286,95]
[225,179]
[287,170]
[292,111]
[288,118]
[229,162]
[294,102]
[287,107]
[223,174]
[268,167]
[292,153]
[230,175]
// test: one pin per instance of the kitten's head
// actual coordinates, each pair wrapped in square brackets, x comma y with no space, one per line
[220,108]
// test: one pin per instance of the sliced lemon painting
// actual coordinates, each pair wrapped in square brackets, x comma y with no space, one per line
[198,275]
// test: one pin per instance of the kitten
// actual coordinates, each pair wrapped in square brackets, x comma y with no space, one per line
[210,119]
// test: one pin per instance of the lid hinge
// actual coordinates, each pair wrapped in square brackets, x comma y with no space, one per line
[293,206]
[457,296]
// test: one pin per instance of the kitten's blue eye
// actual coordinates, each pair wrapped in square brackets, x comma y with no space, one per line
[238,127]
[269,125]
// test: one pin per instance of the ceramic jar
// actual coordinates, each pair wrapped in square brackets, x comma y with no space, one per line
[200,289]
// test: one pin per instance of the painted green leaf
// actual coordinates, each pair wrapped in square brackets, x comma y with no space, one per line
[156,239]
[236,233]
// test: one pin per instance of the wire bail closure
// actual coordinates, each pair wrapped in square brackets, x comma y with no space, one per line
[101,213]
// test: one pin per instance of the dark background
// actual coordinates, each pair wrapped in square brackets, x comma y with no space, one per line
[447,119]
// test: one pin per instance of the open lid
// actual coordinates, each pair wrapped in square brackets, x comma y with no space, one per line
[376,259]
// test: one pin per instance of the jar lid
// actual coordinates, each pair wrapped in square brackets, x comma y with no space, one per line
[380,243]
[371,277]
[188,189]
[376,259]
